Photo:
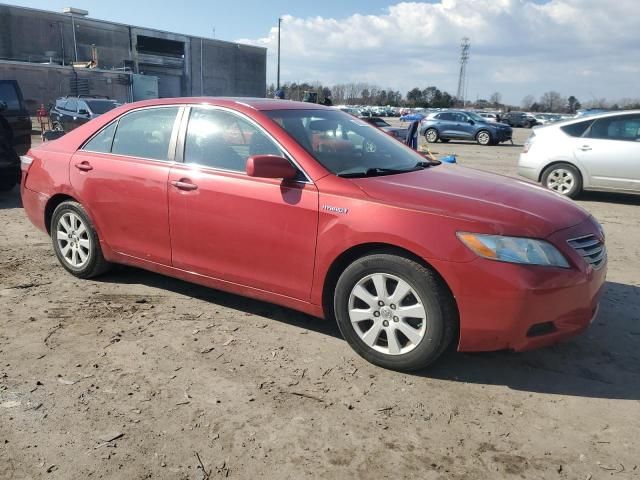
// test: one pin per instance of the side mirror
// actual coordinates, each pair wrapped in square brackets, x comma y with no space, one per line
[82,111]
[471,122]
[3,106]
[270,166]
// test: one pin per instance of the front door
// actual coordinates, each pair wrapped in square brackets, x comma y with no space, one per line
[224,224]
[122,174]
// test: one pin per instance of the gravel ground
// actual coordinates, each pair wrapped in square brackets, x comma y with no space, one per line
[134,375]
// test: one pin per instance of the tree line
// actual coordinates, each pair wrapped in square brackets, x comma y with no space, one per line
[432,97]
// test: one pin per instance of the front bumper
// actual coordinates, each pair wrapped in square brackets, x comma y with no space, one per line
[501,305]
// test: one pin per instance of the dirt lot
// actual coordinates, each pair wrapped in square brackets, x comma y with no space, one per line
[135,375]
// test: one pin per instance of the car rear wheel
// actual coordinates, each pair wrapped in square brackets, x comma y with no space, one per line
[57,126]
[394,312]
[483,137]
[76,242]
[431,135]
[564,179]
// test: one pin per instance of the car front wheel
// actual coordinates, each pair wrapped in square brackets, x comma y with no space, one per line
[394,312]
[483,137]
[564,179]
[75,241]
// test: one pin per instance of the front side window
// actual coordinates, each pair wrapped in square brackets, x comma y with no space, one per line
[222,140]
[145,133]
[345,145]
[625,128]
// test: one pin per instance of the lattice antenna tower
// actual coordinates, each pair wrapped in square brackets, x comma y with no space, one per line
[462,78]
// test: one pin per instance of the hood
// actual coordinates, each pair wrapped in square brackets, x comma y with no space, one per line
[500,205]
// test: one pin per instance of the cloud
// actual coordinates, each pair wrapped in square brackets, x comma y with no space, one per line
[518,47]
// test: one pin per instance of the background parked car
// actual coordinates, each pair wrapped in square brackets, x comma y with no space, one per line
[519,120]
[15,134]
[460,125]
[71,112]
[399,133]
[489,117]
[599,152]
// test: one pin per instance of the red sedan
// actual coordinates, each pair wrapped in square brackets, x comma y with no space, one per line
[308,207]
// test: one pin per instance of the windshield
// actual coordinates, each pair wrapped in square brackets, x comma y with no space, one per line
[476,117]
[101,106]
[345,145]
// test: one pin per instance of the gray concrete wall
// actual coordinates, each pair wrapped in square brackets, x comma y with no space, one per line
[42,84]
[228,68]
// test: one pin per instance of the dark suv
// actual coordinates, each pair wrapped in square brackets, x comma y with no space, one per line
[15,133]
[461,125]
[71,112]
[519,119]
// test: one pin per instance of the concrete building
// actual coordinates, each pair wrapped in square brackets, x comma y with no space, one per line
[38,48]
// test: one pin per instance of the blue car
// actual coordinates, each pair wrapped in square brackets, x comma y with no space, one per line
[461,125]
[412,117]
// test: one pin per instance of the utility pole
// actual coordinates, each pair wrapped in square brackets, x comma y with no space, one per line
[462,78]
[279,27]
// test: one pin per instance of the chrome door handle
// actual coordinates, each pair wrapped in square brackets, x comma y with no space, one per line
[184,185]
[84,166]
[585,148]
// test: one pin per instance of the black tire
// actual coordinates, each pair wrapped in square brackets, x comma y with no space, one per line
[566,178]
[95,263]
[483,137]
[57,126]
[431,135]
[441,313]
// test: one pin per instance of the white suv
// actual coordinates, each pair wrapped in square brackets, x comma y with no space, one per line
[600,152]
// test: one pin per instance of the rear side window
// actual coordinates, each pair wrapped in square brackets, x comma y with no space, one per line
[222,140]
[101,143]
[145,133]
[9,96]
[616,128]
[445,116]
[577,129]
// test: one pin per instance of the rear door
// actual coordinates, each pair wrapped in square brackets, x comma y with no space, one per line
[610,152]
[446,125]
[256,232]
[121,177]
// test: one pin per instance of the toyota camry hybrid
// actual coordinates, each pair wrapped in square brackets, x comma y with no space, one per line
[310,208]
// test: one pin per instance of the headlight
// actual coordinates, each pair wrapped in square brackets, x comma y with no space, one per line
[514,249]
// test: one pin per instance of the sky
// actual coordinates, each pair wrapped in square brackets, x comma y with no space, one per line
[586,48]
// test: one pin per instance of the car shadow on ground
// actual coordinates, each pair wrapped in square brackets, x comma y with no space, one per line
[611,197]
[604,362]
[10,199]
[433,146]
[130,275]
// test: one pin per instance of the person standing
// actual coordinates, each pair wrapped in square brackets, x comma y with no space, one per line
[412,135]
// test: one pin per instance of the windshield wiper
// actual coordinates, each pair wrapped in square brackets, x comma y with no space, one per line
[376,171]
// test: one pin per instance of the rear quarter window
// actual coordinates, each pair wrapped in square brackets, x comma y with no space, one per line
[576,129]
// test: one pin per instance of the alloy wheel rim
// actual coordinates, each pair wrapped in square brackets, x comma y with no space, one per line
[483,138]
[431,136]
[73,240]
[387,314]
[561,181]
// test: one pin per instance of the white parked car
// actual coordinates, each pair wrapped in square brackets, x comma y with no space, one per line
[490,117]
[600,152]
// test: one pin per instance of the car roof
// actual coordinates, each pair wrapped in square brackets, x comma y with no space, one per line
[261,104]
